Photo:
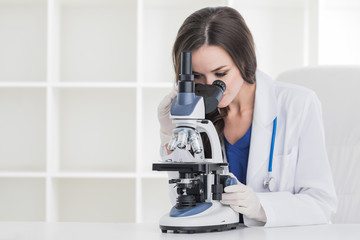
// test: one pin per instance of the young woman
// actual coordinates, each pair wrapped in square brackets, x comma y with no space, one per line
[257,114]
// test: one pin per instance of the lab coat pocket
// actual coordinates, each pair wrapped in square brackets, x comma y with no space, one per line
[284,169]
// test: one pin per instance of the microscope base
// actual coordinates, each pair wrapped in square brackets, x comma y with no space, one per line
[216,218]
[199,229]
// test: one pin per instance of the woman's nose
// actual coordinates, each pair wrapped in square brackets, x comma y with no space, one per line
[210,80]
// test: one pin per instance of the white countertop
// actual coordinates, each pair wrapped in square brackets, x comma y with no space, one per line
[125,231]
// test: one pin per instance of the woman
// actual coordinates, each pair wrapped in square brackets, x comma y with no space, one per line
[302,190]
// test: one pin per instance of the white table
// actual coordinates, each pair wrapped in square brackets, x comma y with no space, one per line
[125,231]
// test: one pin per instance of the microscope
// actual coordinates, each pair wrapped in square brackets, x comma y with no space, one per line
[201,181]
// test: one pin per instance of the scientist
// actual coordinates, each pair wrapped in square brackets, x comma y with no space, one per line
[272,132]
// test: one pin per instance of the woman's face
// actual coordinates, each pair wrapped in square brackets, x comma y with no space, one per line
[210,63]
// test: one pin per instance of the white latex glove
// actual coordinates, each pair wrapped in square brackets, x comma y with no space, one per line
[166,125]
[242,199]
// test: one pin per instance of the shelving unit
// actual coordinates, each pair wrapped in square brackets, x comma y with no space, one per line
[80,81]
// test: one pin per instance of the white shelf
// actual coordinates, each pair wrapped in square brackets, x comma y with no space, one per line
[8,84]
[23,174]
[94,175]
[83,175]
[155,175]
[93,85]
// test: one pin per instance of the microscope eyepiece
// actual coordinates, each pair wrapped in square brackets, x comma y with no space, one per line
[186,78]
[186,63]
[212,94]
[220,84]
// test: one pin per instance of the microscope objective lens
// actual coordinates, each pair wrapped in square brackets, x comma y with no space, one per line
[182,139]
[195,143]
[172,143]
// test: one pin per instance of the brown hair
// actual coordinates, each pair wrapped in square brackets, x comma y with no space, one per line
[223,27]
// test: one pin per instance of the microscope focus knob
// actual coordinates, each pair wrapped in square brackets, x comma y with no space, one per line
[230,181]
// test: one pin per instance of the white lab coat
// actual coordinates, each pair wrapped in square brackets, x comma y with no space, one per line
[304,191]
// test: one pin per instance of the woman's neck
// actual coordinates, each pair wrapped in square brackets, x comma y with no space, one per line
[243,103]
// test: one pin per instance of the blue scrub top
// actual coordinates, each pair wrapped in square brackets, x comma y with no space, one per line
[238,156]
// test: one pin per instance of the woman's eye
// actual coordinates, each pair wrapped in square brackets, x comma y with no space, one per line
[197,76]
[221,74]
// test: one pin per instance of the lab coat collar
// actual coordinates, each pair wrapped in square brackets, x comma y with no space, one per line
[265,112]
[265,99]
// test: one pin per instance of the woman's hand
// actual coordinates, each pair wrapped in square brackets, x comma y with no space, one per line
[166,125]
[242,199]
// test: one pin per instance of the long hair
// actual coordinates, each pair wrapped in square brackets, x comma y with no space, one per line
[223,27]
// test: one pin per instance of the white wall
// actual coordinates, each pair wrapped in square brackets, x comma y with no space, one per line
[298,33]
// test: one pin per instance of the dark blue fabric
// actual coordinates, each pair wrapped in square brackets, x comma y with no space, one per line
[238,155]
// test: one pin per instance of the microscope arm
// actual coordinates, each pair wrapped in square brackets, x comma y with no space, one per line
[207,127]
